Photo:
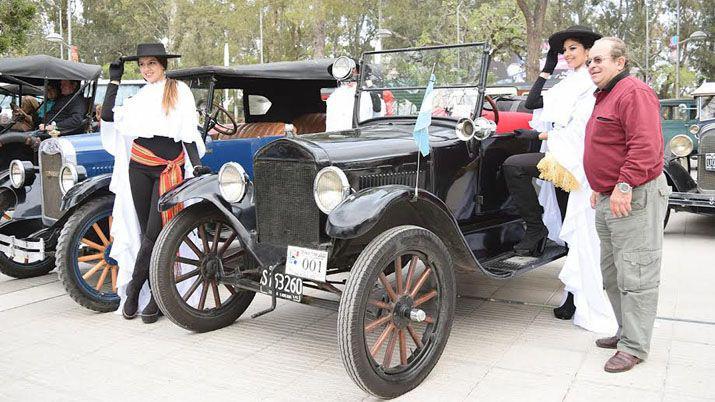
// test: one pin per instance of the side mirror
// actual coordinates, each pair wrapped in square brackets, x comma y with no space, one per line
[342,68]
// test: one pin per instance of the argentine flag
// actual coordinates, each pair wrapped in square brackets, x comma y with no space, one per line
[424,119]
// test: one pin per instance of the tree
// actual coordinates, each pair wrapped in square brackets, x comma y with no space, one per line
[534,14]
[16,18]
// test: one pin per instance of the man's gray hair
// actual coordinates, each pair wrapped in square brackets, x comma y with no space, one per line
[618,48]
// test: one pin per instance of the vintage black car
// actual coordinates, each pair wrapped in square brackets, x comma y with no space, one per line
[74,229]
[357,221]
[694,193]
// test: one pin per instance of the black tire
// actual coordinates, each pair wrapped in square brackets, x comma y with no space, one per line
[667,216]
[80,246]
[204,221]
[363,297]
[12,267]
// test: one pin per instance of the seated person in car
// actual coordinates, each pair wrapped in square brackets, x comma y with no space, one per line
[68,111]
[53,92]
[24,115]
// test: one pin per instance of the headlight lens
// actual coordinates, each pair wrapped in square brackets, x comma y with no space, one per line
[681,145]
[330,188]
[343,68]
[68,177]
[17,173]
[694,129]
[232,182]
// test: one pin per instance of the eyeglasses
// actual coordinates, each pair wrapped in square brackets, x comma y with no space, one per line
[596,60]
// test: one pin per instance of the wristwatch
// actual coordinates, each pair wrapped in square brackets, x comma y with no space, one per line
[624,187]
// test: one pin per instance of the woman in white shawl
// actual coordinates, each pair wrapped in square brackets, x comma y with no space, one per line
[560,121]
[149,137]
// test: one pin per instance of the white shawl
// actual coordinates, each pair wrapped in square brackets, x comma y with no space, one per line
[567,108]
[142,116]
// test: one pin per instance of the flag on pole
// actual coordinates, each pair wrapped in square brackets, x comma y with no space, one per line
[424,119]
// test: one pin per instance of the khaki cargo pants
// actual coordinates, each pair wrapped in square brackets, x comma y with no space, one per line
[631,249]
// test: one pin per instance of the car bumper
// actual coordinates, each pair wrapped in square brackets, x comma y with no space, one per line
[25,250]
[692,199]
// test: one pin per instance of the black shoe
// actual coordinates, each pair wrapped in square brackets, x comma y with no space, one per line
[151,312]
[533,243]
[131,303]
[567,310]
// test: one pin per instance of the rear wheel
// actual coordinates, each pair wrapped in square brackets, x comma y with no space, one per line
[396,312]
[19,268]
[87,272]
[194,251]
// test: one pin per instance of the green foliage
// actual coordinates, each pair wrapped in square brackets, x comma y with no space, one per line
[16,19]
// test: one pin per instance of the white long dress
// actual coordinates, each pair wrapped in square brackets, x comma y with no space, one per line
[142,116]
[567,108]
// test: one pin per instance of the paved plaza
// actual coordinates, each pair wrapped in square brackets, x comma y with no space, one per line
[505,345]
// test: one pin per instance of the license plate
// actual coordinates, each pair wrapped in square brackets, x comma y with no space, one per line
[710,161]
[287,286]
[307,263]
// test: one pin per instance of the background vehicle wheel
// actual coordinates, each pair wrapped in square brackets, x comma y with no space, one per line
[190,256]
[18,268]
[667,217]
[395,316]
[87,272]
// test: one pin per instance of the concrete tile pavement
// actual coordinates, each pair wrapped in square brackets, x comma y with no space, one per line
[505,345]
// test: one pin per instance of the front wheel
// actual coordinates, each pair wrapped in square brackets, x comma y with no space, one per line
[19,267]
[87,272]
[396,312]
[194,251]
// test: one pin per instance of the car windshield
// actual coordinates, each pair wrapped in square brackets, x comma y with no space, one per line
[707,107]
[393,82]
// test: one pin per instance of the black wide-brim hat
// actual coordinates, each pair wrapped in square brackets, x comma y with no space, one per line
[585,35]
[150,50]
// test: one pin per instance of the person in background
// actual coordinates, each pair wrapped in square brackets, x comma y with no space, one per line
[340,103]
[51,95]
[623,161]
[68,112]
[24,115]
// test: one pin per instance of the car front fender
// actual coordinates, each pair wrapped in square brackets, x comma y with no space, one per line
[203,187]
[86,189]
[678,176]
[374,210]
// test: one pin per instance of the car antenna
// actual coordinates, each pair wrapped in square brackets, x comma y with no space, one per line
[417,174]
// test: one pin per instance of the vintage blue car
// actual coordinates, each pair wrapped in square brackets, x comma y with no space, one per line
[265,102]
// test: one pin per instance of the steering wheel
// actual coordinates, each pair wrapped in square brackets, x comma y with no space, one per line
[221,128]
[493,105]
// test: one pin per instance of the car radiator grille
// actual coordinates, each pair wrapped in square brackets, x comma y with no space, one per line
[285,207]
[706,178]
[51,194]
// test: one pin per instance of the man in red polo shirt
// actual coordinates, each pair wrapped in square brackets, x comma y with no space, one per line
[623,160]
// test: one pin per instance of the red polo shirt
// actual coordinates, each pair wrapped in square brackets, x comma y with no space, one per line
[624,142]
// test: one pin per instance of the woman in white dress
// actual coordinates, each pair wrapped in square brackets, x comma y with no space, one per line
[149,137]
[560,121]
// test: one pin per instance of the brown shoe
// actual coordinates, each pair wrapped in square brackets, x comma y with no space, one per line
[620,362]
[607,343]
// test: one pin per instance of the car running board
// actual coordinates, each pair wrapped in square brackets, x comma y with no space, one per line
[507,265]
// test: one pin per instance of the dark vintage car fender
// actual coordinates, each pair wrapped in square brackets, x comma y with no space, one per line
[678,177]
[365,210]
[95,185]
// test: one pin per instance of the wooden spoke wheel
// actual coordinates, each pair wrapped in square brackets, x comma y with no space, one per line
[196,250]
[18,267]
[83,256]
[396,311]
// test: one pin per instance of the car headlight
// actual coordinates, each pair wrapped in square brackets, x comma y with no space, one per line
[342,68]
[232,182]
[694,129]
[68,177]
[330,188]
[17,173]
[681,145]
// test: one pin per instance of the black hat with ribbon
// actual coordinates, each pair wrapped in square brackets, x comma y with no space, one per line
[150,50]
[583,34]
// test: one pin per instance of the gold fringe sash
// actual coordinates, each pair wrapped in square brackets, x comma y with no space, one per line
[552,171]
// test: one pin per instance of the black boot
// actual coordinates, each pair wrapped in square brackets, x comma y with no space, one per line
[151,312]
[518,178]
[567,310]
[139,276]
